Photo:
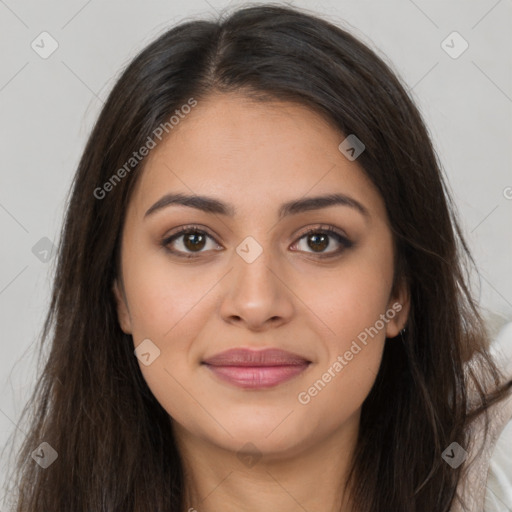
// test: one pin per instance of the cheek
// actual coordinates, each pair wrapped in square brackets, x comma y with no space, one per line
[347,371]
[353,343]
[351,303]
[351,300]
[167,306]
[163,297]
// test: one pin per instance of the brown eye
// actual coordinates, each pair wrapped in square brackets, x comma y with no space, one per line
[194,241]
[188,241]
[191,241]
[320,239]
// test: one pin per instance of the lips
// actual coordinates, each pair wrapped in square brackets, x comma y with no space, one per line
[256,368]
[246,357]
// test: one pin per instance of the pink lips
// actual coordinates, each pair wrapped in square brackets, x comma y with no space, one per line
[256,369]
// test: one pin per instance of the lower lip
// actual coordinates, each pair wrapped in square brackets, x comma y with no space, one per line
[256,377]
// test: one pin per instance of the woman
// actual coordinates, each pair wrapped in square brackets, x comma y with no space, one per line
[261,300]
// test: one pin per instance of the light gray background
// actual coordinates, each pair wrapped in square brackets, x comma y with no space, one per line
[48,107]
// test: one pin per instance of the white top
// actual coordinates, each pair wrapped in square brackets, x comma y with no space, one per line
[487,486]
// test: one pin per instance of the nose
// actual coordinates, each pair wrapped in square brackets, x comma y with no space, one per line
[257,295]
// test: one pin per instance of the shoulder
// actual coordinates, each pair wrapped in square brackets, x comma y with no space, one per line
[486,482]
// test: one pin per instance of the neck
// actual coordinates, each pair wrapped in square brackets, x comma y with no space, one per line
[311,478]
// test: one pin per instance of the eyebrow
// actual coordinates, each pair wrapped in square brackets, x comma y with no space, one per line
[212,205]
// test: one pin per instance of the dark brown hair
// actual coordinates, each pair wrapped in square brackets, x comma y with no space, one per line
[115,448]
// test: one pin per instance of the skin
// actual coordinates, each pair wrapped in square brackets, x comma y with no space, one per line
[256,156]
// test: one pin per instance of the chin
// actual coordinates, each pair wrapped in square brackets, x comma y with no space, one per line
[271,439]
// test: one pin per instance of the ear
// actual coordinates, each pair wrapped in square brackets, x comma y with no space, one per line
[123,315]
[399,303]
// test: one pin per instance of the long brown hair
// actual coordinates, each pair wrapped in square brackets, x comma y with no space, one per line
[91,404]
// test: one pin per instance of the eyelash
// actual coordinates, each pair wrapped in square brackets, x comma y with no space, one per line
[326,230]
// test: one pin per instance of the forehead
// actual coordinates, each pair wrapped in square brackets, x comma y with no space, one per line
[254,155]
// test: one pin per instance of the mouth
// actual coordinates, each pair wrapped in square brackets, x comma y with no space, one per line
[250,369]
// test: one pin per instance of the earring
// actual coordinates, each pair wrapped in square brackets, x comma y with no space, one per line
[402,332]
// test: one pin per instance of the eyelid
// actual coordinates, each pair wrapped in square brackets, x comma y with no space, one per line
[188,227]
[183,230]
[324,228]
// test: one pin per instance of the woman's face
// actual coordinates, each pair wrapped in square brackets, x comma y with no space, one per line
[250,277]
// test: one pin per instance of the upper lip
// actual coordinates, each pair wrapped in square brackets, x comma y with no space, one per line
[248,357]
